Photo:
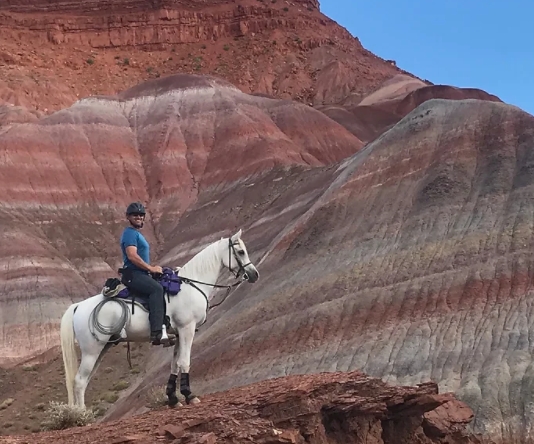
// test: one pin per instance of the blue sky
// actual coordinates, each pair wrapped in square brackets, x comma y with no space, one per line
[471,43]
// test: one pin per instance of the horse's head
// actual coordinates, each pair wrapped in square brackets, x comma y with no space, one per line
[237,259]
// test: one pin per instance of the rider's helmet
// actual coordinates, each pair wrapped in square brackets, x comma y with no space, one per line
[135,207]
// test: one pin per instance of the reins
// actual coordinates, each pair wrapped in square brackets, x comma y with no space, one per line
[192,282]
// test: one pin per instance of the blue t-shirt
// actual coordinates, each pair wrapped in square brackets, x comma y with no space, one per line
[132,237]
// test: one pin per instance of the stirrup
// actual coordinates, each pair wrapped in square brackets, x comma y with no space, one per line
[165,339]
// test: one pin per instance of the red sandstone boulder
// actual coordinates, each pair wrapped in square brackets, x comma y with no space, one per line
[323,408]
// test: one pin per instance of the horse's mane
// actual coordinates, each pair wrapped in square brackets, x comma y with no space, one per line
[204,259]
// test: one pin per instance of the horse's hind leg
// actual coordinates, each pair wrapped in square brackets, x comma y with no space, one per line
[90,360]
[100,357]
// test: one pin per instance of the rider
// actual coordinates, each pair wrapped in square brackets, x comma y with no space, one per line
[136,269]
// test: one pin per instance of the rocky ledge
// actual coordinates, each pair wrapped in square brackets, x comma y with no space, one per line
[321,408]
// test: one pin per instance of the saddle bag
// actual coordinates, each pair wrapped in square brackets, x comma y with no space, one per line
[170,281]
[112,287]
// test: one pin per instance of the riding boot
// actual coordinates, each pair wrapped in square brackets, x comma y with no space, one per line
[155,337]
[162,338]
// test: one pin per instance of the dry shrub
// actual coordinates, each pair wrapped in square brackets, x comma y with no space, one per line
[61,416]
[109,397]
[121,385]
[156,396]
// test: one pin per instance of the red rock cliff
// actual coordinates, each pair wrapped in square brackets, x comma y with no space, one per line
[284,49]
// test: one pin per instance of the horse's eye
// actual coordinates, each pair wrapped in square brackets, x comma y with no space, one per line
[241,253]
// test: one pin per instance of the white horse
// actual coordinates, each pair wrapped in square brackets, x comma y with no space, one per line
[186,310]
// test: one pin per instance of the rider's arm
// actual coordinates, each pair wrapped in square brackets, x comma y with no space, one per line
[131,252]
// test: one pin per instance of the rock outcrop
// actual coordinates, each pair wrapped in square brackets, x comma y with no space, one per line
[325,408]
[111,24]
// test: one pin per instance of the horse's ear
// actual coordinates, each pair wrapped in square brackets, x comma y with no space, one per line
[237,235]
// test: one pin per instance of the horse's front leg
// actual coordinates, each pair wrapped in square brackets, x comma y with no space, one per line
[185,339]
[171,383]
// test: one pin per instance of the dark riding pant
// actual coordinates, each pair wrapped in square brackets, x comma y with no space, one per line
[143,284]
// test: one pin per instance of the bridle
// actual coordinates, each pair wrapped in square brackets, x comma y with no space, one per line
[241,268]
[231,249]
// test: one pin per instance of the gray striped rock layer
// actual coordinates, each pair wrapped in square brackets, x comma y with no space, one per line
[410,261]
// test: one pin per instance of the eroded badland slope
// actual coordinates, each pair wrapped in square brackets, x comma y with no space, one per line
[390,218]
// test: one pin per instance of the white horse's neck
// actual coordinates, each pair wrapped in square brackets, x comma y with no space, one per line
[205,266]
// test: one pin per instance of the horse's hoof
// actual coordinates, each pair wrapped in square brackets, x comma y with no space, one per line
[174,401]
[192,400]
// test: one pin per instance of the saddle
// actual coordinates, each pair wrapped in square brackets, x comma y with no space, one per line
[169,280]
[113,288]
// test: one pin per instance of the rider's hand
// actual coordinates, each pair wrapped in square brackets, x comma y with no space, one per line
[156,269]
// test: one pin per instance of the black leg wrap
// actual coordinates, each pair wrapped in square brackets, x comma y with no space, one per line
[171,390]
[184,385]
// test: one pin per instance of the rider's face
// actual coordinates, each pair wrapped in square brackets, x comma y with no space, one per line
[137,220]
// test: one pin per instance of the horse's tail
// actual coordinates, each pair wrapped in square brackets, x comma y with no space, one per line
[70,360]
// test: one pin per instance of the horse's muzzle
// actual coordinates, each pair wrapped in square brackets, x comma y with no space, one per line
[251,275]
